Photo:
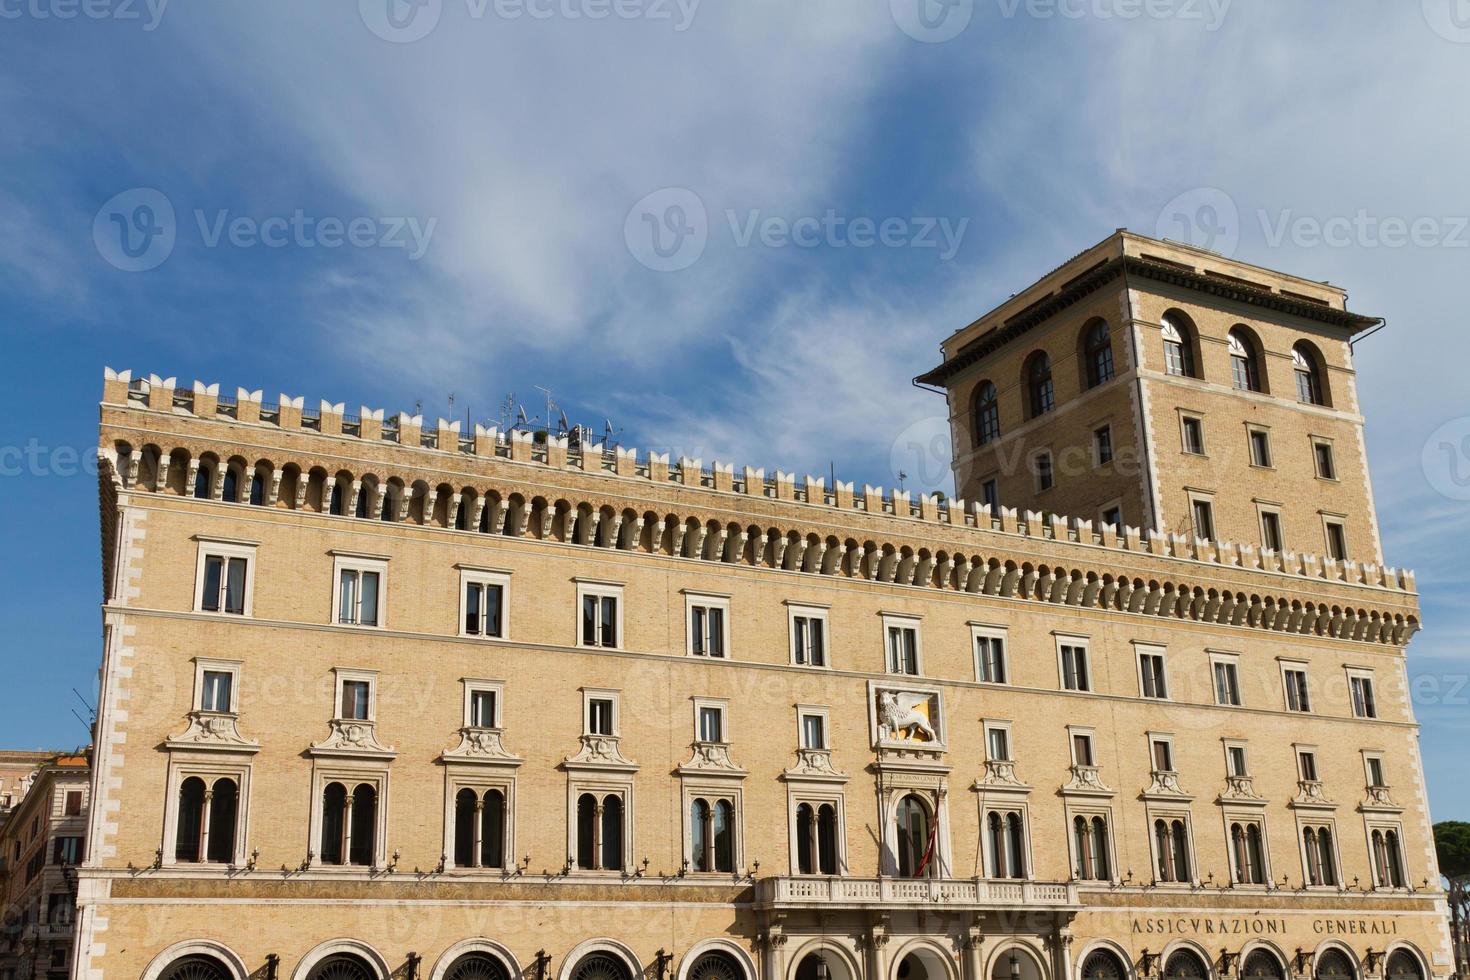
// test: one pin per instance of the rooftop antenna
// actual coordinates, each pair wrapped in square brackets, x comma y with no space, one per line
[564,426]
[550,405]
[901,477]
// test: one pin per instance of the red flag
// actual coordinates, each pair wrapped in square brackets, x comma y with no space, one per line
[929,850]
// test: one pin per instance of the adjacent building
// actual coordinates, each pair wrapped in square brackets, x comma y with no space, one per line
[381,699]
[41,844]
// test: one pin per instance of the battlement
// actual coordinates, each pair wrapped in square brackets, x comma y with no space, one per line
[204,401]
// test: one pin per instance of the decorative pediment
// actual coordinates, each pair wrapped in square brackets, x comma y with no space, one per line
[212,731]
[711,759]
[1378,800]
[481,746]
[1311,796]
[1240,791]
[600,752]
[814,766]
[1085,781]
[906,718]
[352,738]
[1164,786]
[1000,777]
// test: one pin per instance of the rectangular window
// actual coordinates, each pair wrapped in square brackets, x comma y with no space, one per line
[215,690]
[357,599]
[1271,530]
[1375,772]
[903,649]
[1113,516]
[1163,755]
[1227,683]
[600,620]
[1362,691]
[356,699]
[998,744]
[1298,697]
[600,716]
[1151,678]
[813,731]
[1074,668]
[482,709]
[990,656]
[1044,479]
[1193,430]
[73,806]
[224,585]
[1326,465]
[1235,760]
[990,495]
[711,723]
[1307,765]
[1102,443]
[1082,749]
[1260,447]
[809,638]
[707,624]
[1336,541]
[68,850]
[1204,520]
[484,607]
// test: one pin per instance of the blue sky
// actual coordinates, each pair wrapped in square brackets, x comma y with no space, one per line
[372,216]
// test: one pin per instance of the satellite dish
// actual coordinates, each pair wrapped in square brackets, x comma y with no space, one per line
[521,415]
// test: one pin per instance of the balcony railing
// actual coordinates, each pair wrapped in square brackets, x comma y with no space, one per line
[971,893]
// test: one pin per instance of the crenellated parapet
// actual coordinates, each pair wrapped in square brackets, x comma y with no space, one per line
[487,482]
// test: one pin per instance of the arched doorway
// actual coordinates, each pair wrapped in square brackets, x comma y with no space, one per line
[716,964]
[1103,964]
[196,968]
[921,962]
[912,824]
[1016,964]
[1404,965]
[601,965]
[1262,965]
[1185,964]
[1333,964]
[342,966]
[476,966]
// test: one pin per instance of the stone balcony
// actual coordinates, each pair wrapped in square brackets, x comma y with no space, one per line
[791,893]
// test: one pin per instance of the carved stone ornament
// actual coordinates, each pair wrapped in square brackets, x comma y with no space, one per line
[711,758]
[1310,794]
[600,752]
[1000,774]
[216,730]
[352,737]
[908,720]
[481,745]
[1165,783]
[1241,789]
[1378,798]
[815,765]
[1086,781]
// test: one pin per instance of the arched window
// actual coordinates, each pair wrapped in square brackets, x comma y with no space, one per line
[492,829]
[587,830]
[257,489]
[911,819]
[1184,964]
[600,965]
[389,511]
[364,825]
[1404,965]
[1255,853]
[479,829]
[612,833]
[462,515]
[1261,965]
[806,839]
[361,509]
[1102,869]
[1181,850]
[1178,347]
[342,966]
[600,832]
[1333,964]
[987,414]
[476,966]
[716,965]
[1007,845]
[1245,368]
[1097,354]
[190,820]
[334,825]
[465,804]
[1102,964]
[1016,845]
[334,504]
[204,481]
[827,839]
[1310,389]
[700,819]
[724,836]
[1040,396]
[232,486]
[196,968]
[222,804]
[1161,846]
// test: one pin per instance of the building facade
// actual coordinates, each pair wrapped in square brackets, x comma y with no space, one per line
[41,846]
[381,700]
[18,770]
